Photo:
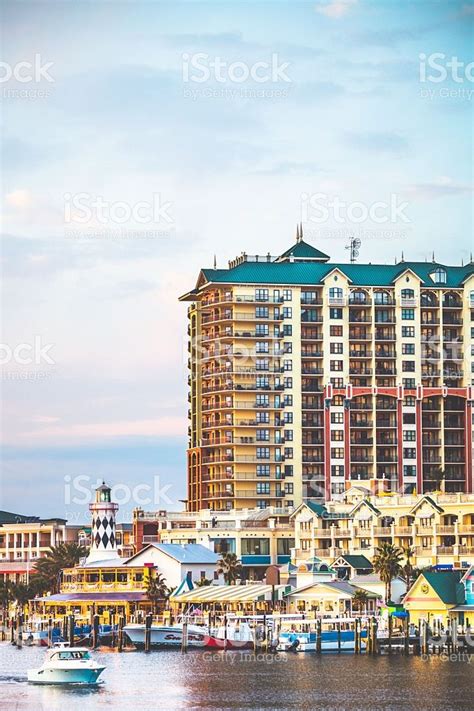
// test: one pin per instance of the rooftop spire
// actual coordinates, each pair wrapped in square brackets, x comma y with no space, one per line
[215,262]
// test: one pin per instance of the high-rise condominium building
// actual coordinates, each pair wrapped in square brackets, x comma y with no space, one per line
[307,376]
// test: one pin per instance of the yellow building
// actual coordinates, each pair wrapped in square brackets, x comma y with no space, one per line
[438,527]
[307,376]
[433,595]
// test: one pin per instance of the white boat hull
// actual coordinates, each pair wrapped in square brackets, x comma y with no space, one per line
[71,675]
[163,636]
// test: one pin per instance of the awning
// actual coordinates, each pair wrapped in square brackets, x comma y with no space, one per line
[257,592]
[94,597]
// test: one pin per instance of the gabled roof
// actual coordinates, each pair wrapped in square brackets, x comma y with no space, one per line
[366,502]
[430,501]
[445,585]
[188,553]
[304,252]
[359,562]
[6,517]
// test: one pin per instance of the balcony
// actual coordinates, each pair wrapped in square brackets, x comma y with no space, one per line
[445,550]
[336,301]
[403,530]
[382,531]
[446,530]
[322,533]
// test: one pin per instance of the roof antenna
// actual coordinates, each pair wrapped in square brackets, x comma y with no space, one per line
[471,258]
[215,262]
[353,246]
[301,231]
[403,257]
[433,258]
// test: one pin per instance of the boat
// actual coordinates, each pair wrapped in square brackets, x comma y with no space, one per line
[239,636]
[166,635]
[67,665]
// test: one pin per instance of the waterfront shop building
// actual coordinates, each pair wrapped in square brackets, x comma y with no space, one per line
[308,376]
[330,599]
[434,595]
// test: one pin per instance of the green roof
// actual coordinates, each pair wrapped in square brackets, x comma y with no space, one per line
[303,250]
[358,561]
[312,273]
[445,584]
[318,509]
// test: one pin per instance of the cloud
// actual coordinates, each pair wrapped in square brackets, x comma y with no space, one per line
[442,187]
[19,199]
[335,9]
[377,141]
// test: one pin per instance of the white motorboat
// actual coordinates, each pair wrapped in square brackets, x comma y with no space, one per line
[167,635]
[67,665]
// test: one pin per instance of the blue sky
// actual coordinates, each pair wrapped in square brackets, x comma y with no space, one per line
[229,166]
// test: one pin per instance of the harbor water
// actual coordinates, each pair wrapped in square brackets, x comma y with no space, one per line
[242,680]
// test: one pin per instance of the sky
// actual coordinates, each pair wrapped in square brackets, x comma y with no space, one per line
[140,140]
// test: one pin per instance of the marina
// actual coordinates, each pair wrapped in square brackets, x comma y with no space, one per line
[234,680]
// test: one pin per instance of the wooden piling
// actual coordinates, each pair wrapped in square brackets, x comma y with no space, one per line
[338,636]
[148,621]
[71,630]
[406,640]
[95,632]
[319,631]
[184,639]
[357,636]
[120,633]
[19,636]
[390,632]
[424,637]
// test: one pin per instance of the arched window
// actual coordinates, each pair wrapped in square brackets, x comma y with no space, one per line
[408,294]
[358,297]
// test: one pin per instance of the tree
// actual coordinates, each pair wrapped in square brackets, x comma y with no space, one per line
[156,589]
[203,582]
[387,563]
[230,566]
[360,599]
[6,596]
[408,569]
[438,476]
[49,568]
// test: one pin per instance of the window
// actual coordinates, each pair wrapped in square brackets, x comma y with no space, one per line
[263,452]
[409,383]
[408,331]
[287,311]
[287,347]
[288,382]
[263,470]
[261,294]
[261,329]
[262,400]
[409,453]
[287,330]
[337,418]
[336,365]
[337,453]
[409,418]
[263,435]
[288,435]
[408,294]
[336,293]
[337,382]
[255,546]
[288,452]
[336,348]
[263,487]
[357,297]
[288,418]
[288,400]
[335,313]
[408,314]
[261,312]
[408,348]
[409,401]
[336,331]
[337,435]
[439,276]
[287,365]
[289,487]
[288,470]
[408,366]
[263,417]
[287,295]
[409,436]
[337,470]
[409,470]
[261,347]
[262,364]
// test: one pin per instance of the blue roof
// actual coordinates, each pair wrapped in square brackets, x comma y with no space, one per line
[188,553]
[312,273]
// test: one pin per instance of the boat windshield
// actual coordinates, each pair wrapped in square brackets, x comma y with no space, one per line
[73,655]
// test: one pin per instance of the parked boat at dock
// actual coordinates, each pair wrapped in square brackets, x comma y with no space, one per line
[67,665]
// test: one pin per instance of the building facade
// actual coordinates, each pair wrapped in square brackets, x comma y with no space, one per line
[308,376]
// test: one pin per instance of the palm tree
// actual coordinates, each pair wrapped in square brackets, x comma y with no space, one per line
[230,566]
[64,555]
[156,589]
[360,599]
[438,476]
[408,569]
[387,563]
[6,596]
